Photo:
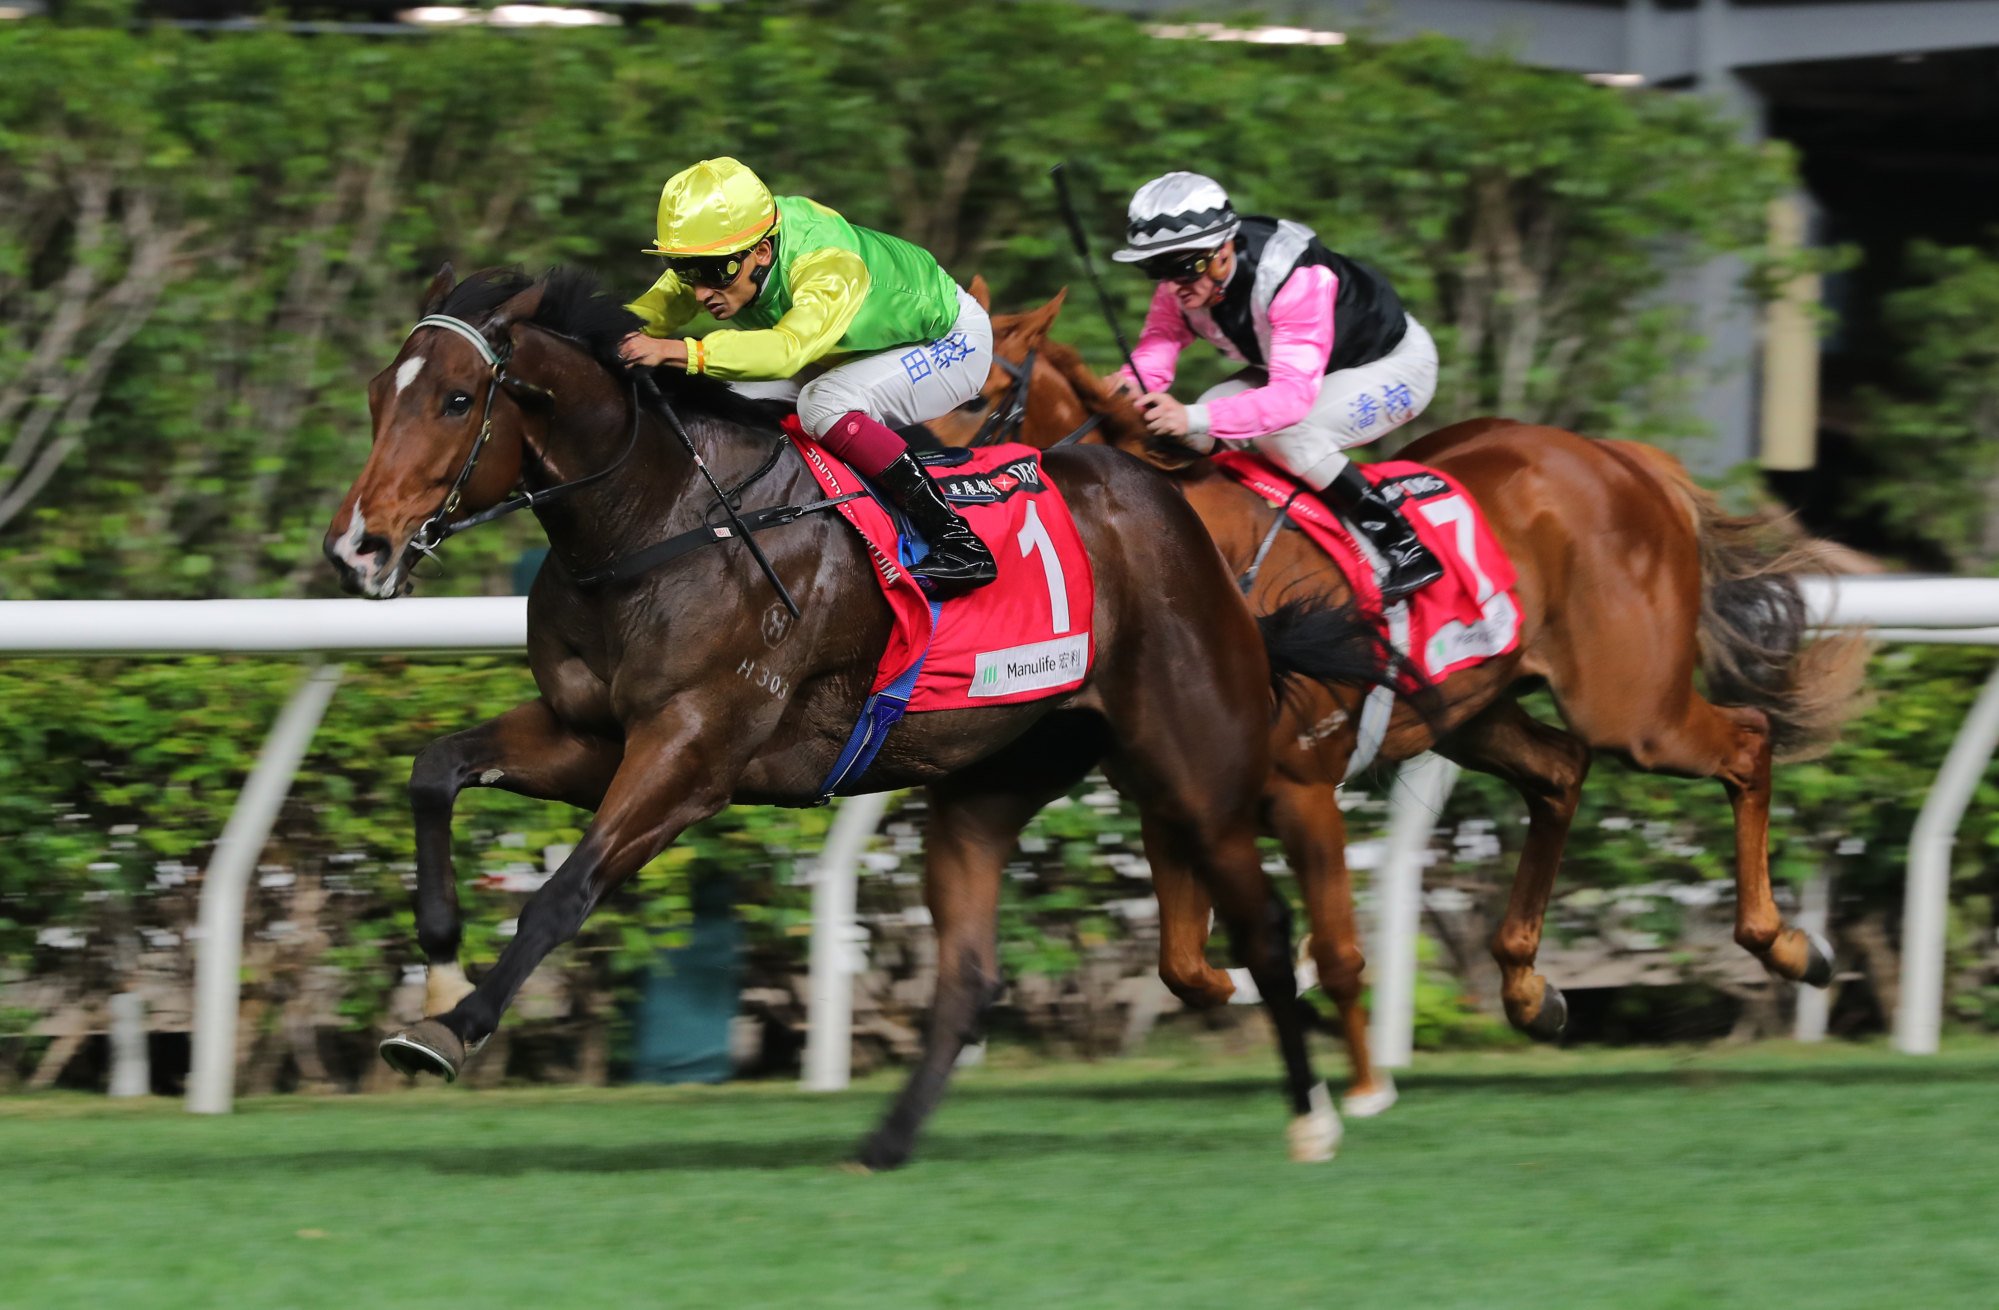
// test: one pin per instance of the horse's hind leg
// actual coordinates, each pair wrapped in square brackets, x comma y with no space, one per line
[1198,809]
[1184,914]
[1308,821]
[527,751]
[975,820]
[1732,743]
[1546,766]
[1223,857]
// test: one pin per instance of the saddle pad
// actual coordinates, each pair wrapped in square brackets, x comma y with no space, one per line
[1020,638]
[1467,616]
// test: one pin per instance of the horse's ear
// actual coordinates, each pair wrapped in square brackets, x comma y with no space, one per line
[1033,326]
[520,309]
[434,294]
[980,292]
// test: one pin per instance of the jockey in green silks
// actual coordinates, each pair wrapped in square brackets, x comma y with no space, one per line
[864,331]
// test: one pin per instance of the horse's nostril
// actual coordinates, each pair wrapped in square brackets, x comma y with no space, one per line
[371,544]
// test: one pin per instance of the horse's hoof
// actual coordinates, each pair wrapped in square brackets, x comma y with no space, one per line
[1553,1016]
[1366,1105]
[1314,1136]
[879,1154]
[1818,966]
[426,1047]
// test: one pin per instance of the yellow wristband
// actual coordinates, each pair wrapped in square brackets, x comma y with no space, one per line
[697,355]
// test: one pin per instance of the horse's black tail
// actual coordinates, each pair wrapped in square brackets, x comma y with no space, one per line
[1311,639]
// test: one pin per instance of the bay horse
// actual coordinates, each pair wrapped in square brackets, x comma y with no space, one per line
[1631,577]
[668,690]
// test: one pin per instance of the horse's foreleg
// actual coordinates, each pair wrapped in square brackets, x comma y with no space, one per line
[1309,823]
[671,776]
[1546,766]
[528,751]
[1193,754]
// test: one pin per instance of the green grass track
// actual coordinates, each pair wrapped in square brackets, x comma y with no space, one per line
[1779,1176]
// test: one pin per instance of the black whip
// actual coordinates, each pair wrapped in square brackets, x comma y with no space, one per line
[1082,244]
[736,523]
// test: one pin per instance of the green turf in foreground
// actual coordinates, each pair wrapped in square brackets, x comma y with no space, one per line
[1782,1176]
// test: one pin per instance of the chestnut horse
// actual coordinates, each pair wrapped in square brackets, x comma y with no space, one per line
[1630,578]
[671,681]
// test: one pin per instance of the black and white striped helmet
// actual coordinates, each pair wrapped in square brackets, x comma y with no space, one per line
[1179,211]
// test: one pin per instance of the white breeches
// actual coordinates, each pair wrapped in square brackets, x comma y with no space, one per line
[898,386]
[1355,406]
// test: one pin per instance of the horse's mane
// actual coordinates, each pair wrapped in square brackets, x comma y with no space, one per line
[1122,424]
[1089,388]
[575,305]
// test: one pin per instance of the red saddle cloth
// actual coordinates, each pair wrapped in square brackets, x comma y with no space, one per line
[1020,638]
[1469,615]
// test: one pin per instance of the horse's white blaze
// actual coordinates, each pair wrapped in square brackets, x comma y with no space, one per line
[348,551]
[348,548]
[445,985]
[1314,1136]
[407,373]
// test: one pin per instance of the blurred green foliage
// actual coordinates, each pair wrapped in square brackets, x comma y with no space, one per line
[209,243]
[1937,434]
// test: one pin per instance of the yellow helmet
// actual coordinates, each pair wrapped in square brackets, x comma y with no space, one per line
[716,207]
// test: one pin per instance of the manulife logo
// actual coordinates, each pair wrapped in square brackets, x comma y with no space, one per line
[1040,666]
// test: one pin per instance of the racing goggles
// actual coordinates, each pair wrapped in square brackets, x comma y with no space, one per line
[1178,266]
[716,272]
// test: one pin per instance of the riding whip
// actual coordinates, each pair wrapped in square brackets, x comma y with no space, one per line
[741,529]
[1082,244]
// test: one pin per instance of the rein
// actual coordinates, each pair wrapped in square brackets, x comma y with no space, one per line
[1248,580]
[1005,422]
[439,527]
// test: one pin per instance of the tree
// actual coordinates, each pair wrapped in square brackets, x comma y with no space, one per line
[1938,437]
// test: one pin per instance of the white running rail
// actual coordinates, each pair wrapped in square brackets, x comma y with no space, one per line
[1938,610]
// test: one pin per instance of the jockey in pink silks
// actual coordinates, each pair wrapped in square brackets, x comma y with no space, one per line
[1332,360]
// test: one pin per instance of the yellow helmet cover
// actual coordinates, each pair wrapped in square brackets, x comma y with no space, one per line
[716,207]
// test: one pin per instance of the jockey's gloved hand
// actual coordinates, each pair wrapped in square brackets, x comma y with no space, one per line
[1186,425]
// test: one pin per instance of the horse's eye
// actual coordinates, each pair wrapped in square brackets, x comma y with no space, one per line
[975,405]
[457,404]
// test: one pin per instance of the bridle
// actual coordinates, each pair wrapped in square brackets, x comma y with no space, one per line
[439,527]
[1004,423]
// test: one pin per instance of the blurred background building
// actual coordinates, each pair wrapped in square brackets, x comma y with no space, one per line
[1892,105]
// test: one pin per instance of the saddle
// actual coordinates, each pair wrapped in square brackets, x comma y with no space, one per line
[1025,636]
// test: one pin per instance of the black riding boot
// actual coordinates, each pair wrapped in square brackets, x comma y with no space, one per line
[1410,563]
[958,561]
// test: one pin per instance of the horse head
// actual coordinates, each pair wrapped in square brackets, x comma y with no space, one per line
[455,416]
